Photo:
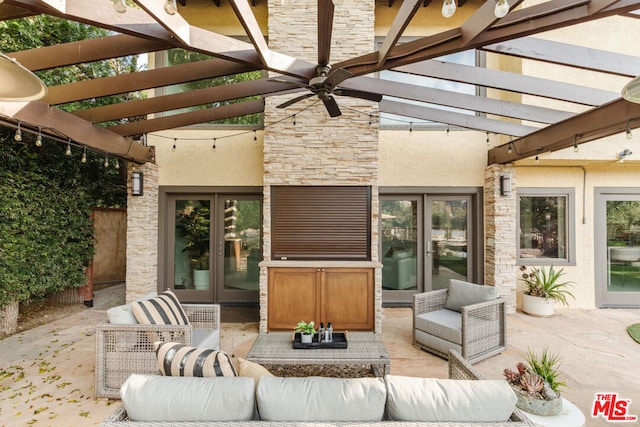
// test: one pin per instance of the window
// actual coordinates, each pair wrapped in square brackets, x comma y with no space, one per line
[546,226]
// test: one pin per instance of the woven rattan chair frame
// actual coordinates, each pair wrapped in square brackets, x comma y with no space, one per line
[483,325]
[122,350]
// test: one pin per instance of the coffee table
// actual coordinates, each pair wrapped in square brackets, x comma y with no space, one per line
[365,354]
[570,416]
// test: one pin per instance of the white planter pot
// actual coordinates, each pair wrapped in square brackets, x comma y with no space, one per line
[537,306]
[306,338]
[201,280]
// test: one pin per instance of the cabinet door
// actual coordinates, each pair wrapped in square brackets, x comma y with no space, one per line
[347,295]
[294,295]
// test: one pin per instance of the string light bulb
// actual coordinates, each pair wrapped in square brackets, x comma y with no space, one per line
[117,165]
[410,127]
[39,137]
[502,8]
[68,152]
[255,137]
[84,156]
[171,7]
[537,159]
[510,149]
[174,145]
[294,119]
[119,6]
[487,138]
[575,144]
[214,144]
[18,135]
[448,8]
[106,161]
[628,133]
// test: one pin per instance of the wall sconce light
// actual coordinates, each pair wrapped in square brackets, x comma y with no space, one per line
[505,185]
[137,184]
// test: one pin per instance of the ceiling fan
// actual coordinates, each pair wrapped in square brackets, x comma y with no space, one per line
[325,83]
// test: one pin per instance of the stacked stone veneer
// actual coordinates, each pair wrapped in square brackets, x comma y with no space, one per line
[500,245]
[142,234]
[313,148]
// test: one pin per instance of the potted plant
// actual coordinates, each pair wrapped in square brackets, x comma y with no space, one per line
[536,383]
[543,289]
[194,226]
[307,330]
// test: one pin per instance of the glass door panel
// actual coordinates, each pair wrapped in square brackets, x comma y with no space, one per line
[241,250]
[447,240]
[400,249]
[191,245]
[623,252]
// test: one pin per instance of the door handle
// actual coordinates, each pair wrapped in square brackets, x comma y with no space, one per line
[429,248]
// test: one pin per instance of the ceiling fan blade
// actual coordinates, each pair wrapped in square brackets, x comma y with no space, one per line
[336,77]
[332,106]
[294,100]
[370,96]
[292,83]
[325,28]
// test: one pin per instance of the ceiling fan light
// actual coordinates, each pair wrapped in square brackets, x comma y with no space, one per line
[119,6]
[170,7]
[448,8]
[501,9]
[631,91]
[18,83]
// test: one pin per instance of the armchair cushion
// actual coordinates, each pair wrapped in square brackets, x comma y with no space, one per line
[432,399]
[464,293]
[165,309]
[123,314]
[446,324]
[175,359]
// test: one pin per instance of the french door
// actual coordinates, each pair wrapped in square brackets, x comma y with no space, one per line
[617,247]
[426,240]
[213,247]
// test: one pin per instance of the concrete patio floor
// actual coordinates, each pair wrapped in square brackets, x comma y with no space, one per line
[47,373]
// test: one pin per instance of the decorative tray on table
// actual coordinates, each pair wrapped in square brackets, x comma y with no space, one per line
[339,341]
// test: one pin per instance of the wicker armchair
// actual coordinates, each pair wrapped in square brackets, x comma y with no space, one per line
[478,331]
[122,350]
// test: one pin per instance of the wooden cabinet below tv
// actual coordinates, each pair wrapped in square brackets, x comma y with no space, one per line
[342,296]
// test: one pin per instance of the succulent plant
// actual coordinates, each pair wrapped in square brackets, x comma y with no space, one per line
[531,383]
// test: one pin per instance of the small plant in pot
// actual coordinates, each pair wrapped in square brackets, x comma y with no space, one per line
[536,383]
[307,330]
[543,288]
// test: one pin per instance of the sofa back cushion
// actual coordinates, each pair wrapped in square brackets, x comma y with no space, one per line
[464,293]
[174,399]
[178,360]
[432,399]
[320,399]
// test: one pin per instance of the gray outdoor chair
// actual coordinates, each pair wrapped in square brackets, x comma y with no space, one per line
[467,318]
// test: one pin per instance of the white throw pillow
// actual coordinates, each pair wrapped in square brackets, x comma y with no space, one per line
[432,399]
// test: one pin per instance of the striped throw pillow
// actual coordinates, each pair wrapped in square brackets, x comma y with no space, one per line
[165,309]
[178,360]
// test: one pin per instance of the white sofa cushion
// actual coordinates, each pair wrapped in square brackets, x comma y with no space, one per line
[432,399]
[123,314]
[205,338]
[464,293]
[321,399]
[174,399]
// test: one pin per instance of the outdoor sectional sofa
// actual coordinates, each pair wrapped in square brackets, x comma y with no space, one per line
[465,399]
[124,346]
